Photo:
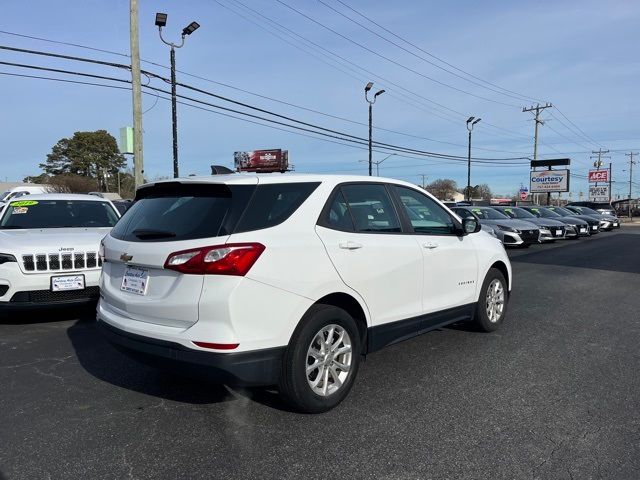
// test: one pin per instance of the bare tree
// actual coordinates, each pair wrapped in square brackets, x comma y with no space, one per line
[443,188]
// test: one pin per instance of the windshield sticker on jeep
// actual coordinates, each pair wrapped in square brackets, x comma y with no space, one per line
[508,210]
[535,210]
[24,203]
[476,210]
[19,210]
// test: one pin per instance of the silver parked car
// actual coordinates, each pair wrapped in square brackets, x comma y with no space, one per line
[509,231]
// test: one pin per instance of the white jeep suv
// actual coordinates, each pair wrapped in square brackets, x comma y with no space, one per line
[49,249]
[291,279]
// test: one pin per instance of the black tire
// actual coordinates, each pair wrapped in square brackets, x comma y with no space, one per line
[294,386]
[481,320]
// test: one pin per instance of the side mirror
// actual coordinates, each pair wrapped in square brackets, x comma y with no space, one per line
[470,225]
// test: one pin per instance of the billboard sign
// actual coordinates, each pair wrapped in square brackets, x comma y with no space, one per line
[274,160]
[599,193]
[599,176]
[547,181]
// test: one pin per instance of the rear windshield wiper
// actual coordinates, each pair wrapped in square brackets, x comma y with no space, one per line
[144,233]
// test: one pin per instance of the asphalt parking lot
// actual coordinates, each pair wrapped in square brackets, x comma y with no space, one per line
[554,394]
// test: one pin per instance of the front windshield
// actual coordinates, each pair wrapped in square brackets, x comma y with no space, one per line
[516,212]
[27,214]
[586,211]
[545,212]
[488,214]
[563,212]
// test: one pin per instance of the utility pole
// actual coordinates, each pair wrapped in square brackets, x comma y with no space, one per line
[538,109]
[424,177]
[138,162]
[631,164]
[610,182]
[600,156]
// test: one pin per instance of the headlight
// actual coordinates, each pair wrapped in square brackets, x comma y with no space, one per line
[508,229]
[545,230]
[5,257]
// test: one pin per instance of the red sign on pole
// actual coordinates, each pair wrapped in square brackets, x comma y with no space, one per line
[598,176]
[523,195]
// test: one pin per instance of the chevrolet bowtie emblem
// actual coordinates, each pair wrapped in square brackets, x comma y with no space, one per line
[126,258]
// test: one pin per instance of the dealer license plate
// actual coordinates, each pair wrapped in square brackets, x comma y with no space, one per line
[67,282]
[594,228]
[558,233]
[583,230]
[135,280]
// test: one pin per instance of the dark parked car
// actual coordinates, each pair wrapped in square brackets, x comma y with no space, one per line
[600,207]
[594,223]
[575,227]
[607,222]
[122,205]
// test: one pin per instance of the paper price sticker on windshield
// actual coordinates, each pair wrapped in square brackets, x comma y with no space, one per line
[24,203]
[19,210]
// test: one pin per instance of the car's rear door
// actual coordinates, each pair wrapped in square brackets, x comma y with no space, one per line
[362,234]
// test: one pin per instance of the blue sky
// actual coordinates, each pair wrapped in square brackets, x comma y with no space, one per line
[580,55]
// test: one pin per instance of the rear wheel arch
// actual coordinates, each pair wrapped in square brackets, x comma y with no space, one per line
[350,305]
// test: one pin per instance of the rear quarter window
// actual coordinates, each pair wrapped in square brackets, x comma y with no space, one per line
[272,204]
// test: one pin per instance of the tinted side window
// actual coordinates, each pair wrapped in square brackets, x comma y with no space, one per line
[338,216]
[425,215]
[371,208]
[272,204]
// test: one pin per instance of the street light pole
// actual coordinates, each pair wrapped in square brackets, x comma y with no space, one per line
[371,102]
[161,21]
[471,121]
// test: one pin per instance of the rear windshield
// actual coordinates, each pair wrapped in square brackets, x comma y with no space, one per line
[27,214]
[174,211]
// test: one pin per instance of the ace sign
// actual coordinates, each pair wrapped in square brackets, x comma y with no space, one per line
[598,176]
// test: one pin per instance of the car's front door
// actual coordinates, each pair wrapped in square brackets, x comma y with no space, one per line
[450,259]
[362,234]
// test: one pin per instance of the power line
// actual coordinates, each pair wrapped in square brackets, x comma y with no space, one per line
[390,60]
[408,100]
[312,127]
[510,95]
[434,56]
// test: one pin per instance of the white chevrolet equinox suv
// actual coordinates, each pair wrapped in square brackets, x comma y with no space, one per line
[290,280]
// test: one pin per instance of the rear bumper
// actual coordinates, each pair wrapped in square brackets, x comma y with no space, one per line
[251,368]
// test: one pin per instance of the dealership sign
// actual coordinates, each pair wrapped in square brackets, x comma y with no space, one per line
[598,176]
[599,193]
[546,181]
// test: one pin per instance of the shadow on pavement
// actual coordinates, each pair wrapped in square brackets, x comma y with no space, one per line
[605,253]
[27,317]
[99,358]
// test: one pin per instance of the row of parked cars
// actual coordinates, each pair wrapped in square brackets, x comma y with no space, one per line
[521,226]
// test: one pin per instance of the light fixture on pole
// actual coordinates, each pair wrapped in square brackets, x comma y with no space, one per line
[471,121]
[368,87]
[377,164]
[161,21]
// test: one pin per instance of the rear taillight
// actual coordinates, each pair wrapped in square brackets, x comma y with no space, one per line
[231,259]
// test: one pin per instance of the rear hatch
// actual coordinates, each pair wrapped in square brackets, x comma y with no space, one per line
[167,218]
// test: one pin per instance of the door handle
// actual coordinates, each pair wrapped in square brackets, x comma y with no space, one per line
[350,245]
[430,245]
